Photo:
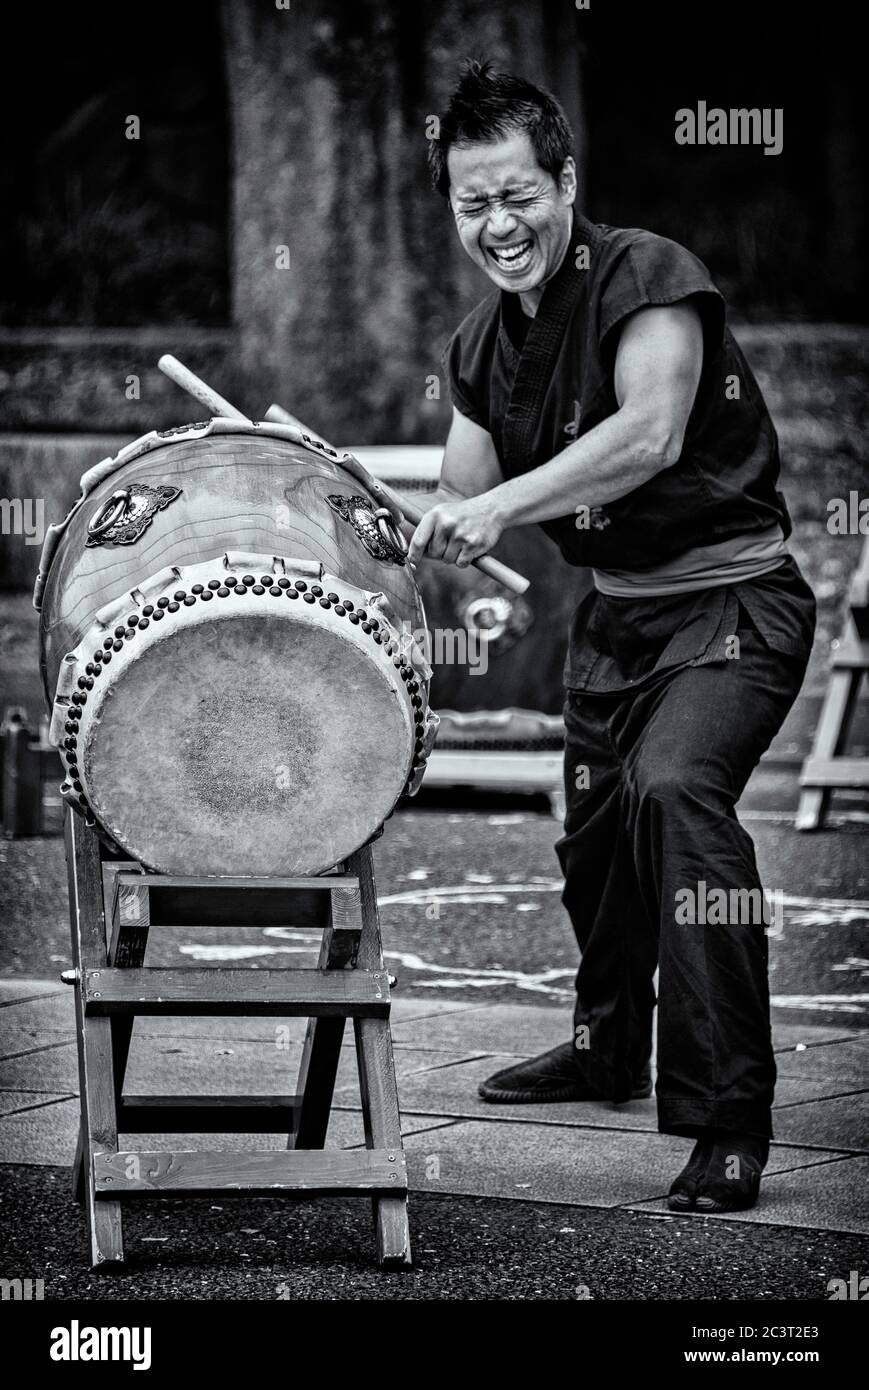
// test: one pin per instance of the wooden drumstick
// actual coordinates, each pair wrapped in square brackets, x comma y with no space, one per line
[495,569]
[188,381]
[487,564]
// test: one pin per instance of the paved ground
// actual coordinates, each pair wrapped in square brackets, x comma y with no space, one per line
[537,1202]
[530,1202]
[464,1248]
[471,910]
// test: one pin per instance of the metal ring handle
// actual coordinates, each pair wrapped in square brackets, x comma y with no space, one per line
[389,531]
[111,511]
[500,609]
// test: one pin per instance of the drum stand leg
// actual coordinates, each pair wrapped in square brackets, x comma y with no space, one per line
[359,944]
[322,1048]
[377,1084]
[113,986]
[99,1119]
[126,947]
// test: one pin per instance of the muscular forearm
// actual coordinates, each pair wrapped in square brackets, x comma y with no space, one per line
[613,459]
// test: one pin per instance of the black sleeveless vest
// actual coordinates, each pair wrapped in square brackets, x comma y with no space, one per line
[535,402]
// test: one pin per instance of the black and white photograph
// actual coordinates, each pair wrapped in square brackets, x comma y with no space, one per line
[434,672]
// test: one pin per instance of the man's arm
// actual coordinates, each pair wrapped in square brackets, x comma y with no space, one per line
[657,372]
[470,465]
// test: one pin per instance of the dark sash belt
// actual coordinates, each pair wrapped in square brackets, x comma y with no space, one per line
[537,362]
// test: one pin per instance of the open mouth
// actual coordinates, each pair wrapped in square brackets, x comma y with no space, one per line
[512,259]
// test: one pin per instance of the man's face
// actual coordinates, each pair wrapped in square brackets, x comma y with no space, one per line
[512,217]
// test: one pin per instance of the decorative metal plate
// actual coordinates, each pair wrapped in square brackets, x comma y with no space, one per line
[134,514]
[373,526]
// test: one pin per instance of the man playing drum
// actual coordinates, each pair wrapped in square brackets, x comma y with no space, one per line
[599,392]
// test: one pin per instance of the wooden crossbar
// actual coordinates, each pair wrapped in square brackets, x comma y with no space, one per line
[840,771]
[282,902]
[292,993]
[178,1173]
[207,1114]
[113,908]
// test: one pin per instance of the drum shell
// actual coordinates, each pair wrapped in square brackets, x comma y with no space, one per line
[244,503]
[239,494]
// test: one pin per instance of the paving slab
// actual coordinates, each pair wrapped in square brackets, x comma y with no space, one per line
[526,1029]
[788,1036]
[44,1136]
[409,1061]
[48,1135]
[844,1063]
[789,1091]
[52,1013]
[263,1068]
[15,1102]
[47,1019]
[13,989]
[408,1009]
[205,1064]
[30,1024]
[533,1163]
[518,1029]
[23,1029]
[834,1124]
[42,1068]
[591,1154]
[345,1132]
[46,1016]
[453,1091]
[513,1029]
[830,1196]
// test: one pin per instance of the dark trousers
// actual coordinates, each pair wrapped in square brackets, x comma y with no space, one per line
[654,815]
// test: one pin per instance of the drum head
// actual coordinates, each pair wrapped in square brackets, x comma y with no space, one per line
[254,744]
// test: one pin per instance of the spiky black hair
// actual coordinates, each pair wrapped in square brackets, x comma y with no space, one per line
[487,105]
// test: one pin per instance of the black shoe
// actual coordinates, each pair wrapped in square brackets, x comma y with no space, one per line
[732,1178]
[684,1189]
[553,1076]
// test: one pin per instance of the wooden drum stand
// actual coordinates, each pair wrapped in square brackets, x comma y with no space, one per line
[113,906]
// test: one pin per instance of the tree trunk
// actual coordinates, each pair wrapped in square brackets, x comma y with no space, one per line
[328,112]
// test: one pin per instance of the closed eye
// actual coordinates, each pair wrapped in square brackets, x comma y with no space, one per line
[510,204]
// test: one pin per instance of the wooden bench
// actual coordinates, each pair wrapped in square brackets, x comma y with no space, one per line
[828,766]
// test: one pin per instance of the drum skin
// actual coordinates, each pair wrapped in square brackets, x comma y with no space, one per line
[247,726]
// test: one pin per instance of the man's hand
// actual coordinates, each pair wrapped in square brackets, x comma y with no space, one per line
[458,532]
